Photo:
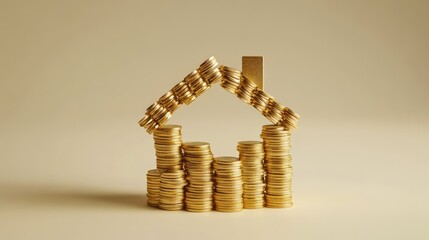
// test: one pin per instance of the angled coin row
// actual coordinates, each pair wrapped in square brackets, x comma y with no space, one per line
[232,80]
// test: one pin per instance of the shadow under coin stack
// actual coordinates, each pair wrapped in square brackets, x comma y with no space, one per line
[278,166]
[168,142]
[153,181]
[251,154]
[228,194]
[198,164]
[172,194]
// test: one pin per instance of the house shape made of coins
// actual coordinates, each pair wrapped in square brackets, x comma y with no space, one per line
[189,177]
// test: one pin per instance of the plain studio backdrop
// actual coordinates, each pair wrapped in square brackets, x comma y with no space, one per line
[76,76]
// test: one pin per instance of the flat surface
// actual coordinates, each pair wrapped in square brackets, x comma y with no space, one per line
[76,76]
[351,180]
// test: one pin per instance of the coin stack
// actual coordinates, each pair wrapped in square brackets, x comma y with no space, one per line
[251,154]
[153,182]
[168,147]
[230,79]
[228,194]
[236,83]
[209,71]
[172,193]
[193,85]
[278,166]
[198,164]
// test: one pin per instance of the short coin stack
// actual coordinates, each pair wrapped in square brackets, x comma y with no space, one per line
[278,166]
[172,193]
[234,82]
[192,86]
[153,187]
[228,194]
[198,164]
[251,154]
[168,142]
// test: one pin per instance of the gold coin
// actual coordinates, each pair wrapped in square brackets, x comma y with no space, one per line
[228,184]
[198,164]
[153,187]
[251,154]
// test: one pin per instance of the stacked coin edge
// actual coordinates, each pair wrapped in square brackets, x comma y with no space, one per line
[232,80]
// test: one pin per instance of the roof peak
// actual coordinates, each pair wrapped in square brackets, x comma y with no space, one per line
[232,80]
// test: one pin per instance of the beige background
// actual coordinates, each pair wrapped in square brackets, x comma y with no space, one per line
[76,76]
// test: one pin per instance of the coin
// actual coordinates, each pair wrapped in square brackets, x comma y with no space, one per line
[184,92]
[251,154]
[228,194]
[236,83]
[198,160]
[278,165]
[153,187]
[209,71]
[171,194]
[230,79]
[168,150]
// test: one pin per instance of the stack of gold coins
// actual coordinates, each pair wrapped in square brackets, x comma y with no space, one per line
[234,82]
[230,79]
[171,194]
[198,165]
[168,147]
[251,154]
[185,92]
[209,71]
[278,166]
[156,115]
[245,90]
[228,194]
[153,182]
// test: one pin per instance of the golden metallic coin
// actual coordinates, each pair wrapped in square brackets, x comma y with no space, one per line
[250,143]
[231,79]
[172,185]
[170,127]
[183,93]
[278,162]
[251,154]
[210,63]
[209,72]
[169,101]
[203,145]
[228,194]
[196,83]
[168,150]
[198,164]
[245,90]
[153,187]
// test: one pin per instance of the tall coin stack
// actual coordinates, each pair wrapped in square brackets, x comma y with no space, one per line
[153,187]
[168,142]
[251,154]
[228,194]
[278,166]
[171,195]
[236,83]
[185,92]
[198,164]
